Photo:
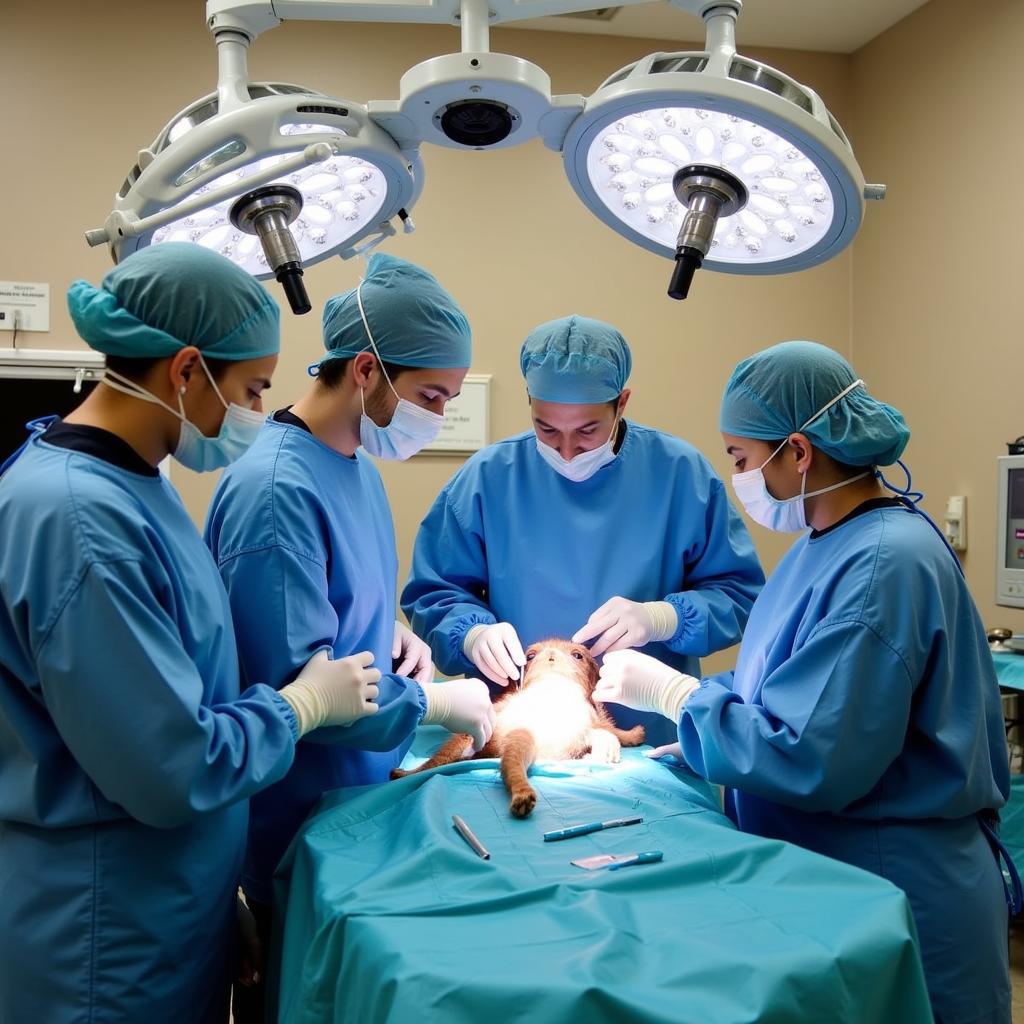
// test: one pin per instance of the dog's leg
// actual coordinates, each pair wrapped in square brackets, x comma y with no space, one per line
[458,748]
[626,737]
[518,754]
[604,746]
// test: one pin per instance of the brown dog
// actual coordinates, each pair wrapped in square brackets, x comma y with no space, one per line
[552,716]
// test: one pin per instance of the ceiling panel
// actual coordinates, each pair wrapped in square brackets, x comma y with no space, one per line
[831,26]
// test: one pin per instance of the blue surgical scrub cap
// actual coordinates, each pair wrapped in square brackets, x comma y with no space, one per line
[575,360]
[166,297]
[774,393]
[414,321]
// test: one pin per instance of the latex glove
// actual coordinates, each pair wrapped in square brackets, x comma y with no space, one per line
[496,651]
[668,750]
[416,662]
[641,682]
[620,623]
[462,705]
[333,692]
[251,957]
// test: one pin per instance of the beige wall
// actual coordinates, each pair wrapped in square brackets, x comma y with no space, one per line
[929,305]
[502,230]
[938,302]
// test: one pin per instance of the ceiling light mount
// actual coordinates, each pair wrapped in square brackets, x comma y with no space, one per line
[476,99]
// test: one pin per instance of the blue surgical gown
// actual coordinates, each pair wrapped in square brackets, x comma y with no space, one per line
[864,722]
[305,543]
[511,540]
[126,752]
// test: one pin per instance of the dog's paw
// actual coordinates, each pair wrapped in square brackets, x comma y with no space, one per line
[636,736]
[604,748]
[523,803]
[399,773]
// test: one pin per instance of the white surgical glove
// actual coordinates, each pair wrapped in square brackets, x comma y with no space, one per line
[495,650]
[668,750]
[333,692]
[416,662]
[620,623]
[641,682]
[462,705]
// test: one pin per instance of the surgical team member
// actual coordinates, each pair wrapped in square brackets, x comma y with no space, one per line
[302,532]
[585,515]
[863,720]
[126,751]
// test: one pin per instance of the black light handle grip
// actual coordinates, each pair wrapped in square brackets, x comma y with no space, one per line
[688,262]
[290,277]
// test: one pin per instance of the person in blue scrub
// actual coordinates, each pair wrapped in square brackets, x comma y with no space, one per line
[588,526]
[302,533]
[127,751]
[863,719]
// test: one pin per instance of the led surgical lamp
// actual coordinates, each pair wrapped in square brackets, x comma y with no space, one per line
[716,159]
[709,158]
[273,176]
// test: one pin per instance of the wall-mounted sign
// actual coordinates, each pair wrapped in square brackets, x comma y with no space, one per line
[24,306]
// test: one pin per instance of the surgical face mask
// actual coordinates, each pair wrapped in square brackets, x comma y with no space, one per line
[411,427]
[195,450]
[784,515]
[583,466]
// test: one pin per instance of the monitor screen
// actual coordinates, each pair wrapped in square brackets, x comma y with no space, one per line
[22,400]
[1015,519]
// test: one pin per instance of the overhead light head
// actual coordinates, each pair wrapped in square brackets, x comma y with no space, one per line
[769,138]
[349,176]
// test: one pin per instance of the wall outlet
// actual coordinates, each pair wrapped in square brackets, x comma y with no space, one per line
[955,524]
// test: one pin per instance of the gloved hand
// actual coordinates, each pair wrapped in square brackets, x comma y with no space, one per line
[668,750]
[462,705]
[496,651]
[620,623]
[416,662]
[333,692]
[641,682]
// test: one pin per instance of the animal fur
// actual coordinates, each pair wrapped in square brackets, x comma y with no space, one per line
[552,716]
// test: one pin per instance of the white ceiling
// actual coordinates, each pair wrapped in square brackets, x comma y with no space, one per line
[831,26]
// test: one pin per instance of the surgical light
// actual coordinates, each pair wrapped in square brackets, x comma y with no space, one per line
[708,158]
[334,178]
[787,191]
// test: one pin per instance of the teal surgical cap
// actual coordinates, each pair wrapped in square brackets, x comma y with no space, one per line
[774,393]
[414,321]
[166,297]
[575,360]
